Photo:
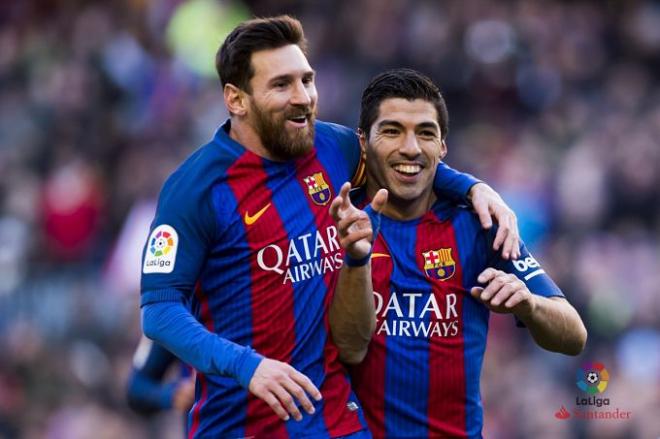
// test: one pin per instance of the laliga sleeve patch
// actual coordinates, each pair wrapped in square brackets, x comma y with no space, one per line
[161,250]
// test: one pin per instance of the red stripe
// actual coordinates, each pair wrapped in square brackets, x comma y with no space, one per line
[201,382]
[339,421]
[369,376]
[447,394]
[273,332]
[207,321]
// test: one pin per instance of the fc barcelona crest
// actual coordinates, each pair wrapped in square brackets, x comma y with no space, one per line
[438,264]
[318,189]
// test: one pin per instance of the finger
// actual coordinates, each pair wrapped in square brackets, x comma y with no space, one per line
[354,237]
[334,207]
[502,232]
[492,288]
[510,242]
[300,395]
[275,405]
[355,217]
[507,290]
[509,245]
[487,275]
[484,214]
[307,384]
[379,201]
[476,292]
[346,199]
[514,300]
[286,400]
[353,222]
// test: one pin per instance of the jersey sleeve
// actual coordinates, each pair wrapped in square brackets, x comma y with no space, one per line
[180,235]
[452,184]
[349,145]
[527,269]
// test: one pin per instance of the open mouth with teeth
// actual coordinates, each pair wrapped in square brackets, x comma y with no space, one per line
[298,121]
[407,169]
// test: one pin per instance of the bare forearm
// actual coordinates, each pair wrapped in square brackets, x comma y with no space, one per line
[556,326]
[352,314]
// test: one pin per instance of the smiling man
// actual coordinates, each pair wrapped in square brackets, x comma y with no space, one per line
[426,291]
[242,234]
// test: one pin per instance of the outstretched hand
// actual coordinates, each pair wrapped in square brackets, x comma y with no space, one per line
[353,225]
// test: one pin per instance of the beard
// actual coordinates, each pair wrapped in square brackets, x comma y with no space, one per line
[279,140]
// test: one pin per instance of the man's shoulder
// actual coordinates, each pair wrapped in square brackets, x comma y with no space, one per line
[198,172]
[334,131]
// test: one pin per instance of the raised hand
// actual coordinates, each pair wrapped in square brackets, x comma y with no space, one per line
[281,386]
[353,225]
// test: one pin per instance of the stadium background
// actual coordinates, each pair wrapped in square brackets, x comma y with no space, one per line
[555,104]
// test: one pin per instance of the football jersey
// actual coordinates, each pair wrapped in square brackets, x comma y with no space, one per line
[420,377]
[250,243]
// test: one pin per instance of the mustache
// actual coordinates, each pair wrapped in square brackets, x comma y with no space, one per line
[305,111]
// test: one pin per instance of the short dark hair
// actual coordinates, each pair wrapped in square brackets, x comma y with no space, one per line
[233,60]
[401,83]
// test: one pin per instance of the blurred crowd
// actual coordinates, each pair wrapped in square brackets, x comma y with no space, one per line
[556,104]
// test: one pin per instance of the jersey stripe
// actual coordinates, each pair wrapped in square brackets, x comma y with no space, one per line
[473,256]
[207,321]
[272,311]
[339,421]
[446,409]
[369,378]
[403,402]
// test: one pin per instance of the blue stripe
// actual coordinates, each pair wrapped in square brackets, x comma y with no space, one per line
[472,250]
[226,404]
[310,334]
[406,407]
[331,156]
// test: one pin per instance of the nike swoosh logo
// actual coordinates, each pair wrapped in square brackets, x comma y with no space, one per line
[251,219]
[379,255]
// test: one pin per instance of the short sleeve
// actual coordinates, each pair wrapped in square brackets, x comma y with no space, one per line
[178,241]
[452,184]
[348,143]
[529,270]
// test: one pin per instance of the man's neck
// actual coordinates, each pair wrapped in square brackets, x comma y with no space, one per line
[405,210]
[242,132]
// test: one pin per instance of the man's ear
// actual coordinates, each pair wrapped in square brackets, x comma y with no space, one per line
[362,136]
[236,100]
[443,150]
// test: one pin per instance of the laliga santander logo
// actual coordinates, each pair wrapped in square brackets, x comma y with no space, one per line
[592,378]
[161,244]
[160,254]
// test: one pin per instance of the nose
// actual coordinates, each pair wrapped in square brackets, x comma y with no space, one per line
[410,147]
[300,95]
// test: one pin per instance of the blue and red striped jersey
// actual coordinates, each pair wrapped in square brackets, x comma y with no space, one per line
[249,242]
[420,377]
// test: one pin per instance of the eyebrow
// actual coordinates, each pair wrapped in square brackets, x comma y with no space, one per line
[398,124]
[288,76]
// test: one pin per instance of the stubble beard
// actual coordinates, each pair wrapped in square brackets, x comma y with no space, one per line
[279,141]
